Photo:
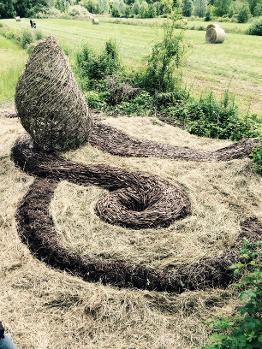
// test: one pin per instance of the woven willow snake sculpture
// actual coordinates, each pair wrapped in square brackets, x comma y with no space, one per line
[134,199]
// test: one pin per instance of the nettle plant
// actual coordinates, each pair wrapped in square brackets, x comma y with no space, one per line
[243,329]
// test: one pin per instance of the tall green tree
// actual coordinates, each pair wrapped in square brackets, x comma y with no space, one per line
[7,9]
[252,5]
[258,9]
[222,7]
[200,7]
[244,14]
[187,8]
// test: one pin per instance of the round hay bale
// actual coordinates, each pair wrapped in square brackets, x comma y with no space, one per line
[18,19]
[95,20]
[49,103]
[215,34]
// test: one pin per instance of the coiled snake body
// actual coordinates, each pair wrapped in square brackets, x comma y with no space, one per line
[134,200]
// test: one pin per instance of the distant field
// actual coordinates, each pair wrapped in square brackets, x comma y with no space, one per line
[12,60]
[235,64]
[192,23]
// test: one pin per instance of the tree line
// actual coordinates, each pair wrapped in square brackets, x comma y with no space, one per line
[243,9]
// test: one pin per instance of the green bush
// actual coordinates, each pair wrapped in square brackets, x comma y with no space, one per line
[200,7]
[222,7]
[39,35]
[109,59]
[10,34]
[77,11]
[162,73]
[244,14]
[142,104]
[256,28]
[92,68]
[30,48]
[95,100]
[209,13]
[187,8]
[26,38]
[258,9]
[209,117]
[243,329]
[253,4]
[257,160]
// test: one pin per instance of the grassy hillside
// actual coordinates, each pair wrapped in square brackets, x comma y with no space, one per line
[235,64]
[193,23]
[12,60]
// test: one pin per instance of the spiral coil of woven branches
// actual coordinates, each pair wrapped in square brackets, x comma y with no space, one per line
[37,229]
[134,199]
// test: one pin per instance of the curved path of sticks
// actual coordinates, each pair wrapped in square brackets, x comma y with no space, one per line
[134,199]
[113,141]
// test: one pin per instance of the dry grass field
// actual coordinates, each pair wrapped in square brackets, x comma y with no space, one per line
[45,308]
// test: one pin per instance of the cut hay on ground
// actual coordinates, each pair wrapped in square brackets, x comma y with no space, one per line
[135,200]
[43,242]
[43,308]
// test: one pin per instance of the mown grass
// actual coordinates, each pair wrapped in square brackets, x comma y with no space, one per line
[234,64]
[192,23]
[12,60]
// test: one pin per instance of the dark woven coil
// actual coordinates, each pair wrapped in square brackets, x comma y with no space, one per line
[37,229]
[134,199]
[54,113]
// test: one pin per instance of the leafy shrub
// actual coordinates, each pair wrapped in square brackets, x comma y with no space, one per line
[256,28]
[253,4]
[243,329]
[208,117]
[95,100]
[86,65]
[109,59]
[162,72]
[257,159]
[244,14]
[118,8]
[10,34]
[142,104]
[187,8]
[26,38]
[39,35]
[222,7]
[96,6]
[77,11]
[258,9]
[200,7]
[51,12]
[92,68]
[68,51]
[31,47]
[209,13]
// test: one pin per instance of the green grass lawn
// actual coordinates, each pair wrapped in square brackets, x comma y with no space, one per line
[235,64]
[12,60]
